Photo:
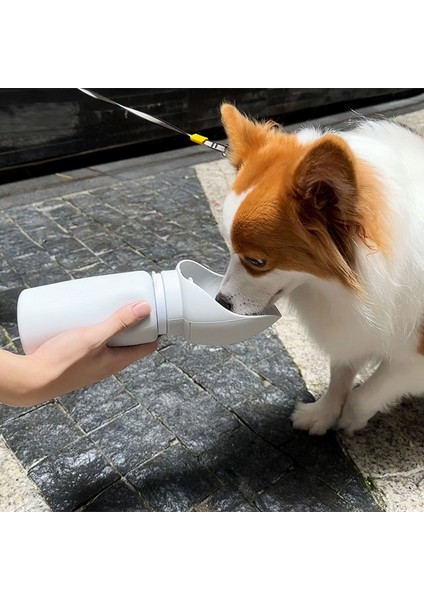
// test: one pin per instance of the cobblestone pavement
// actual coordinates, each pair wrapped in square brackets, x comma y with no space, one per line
[190,427]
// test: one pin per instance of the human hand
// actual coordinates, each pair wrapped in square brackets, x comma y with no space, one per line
[79,357]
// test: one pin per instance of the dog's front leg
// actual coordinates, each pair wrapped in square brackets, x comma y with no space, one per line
[320,416]
[392,380]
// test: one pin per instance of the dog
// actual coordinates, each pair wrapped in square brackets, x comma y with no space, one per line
[334,222]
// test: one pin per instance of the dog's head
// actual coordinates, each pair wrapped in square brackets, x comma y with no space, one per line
[291,215]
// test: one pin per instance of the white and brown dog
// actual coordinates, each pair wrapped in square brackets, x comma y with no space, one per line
[335,222]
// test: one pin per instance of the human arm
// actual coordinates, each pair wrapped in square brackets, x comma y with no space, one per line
[71,360]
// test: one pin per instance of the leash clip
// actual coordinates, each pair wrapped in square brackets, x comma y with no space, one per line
[217,146]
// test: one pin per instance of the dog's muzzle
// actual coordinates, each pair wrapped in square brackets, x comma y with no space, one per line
[221,299]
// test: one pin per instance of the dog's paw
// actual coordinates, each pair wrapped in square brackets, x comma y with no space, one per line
[315,417]
[352,418]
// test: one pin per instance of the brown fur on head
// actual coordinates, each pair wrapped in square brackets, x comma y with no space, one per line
[306,207]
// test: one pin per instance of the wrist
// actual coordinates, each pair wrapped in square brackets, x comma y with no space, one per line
[38,380]
[23,382]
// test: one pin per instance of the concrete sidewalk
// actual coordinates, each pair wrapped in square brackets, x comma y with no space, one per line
[191,428]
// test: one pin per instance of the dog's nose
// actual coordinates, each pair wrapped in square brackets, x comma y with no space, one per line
[224,301]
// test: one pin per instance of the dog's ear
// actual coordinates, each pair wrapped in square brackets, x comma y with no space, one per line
[326,193]
[244,135]
[325,181]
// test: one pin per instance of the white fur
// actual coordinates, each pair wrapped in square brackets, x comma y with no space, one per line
[384,325]
[306,135]
[232,203]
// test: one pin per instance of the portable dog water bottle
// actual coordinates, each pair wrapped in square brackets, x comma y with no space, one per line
[183,304]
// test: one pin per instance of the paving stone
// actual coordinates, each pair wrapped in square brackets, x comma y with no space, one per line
[38,233]
[200,220]
[163,204]
[268,415]
[324,458]
[243,457]
[119,497]
[184,244]
[93,406]
[4,338]
[281,372]
[197,420]
[109,194]
[39,433]
[161,252]
[51,274]
[9,413]
[8,304]
[38,260]
[60,244]
[94,270]
[165,225]
[98,243]
[173,481]
[91,228]
[149,377]
[299,491]
[15,244]
[28,217]
[135,376]
[138,236]
[131,439]
[17,347]
[194,358]
[80,259]
[103,213]
[10,329]
[65,214]
[4,264]
[208,231]
[230,383]
[74,475]
[226,500]
[142,209]
[10,279]
[126,259]
[210,256]
[258,348]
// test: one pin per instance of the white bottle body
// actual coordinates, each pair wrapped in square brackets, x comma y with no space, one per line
[46,311]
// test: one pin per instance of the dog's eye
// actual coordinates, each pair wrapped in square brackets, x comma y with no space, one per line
[256,262]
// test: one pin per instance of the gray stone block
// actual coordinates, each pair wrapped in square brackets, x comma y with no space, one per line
[97,404]
[194,358]
[173,481]
[323,457]
[74,475]
[300,491]
[40,433]
[244,458]
[268,415]
[131,439]
[226,500]
[198,420]
[119,497]
[230,383]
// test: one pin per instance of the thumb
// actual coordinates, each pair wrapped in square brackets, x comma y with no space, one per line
[122,319]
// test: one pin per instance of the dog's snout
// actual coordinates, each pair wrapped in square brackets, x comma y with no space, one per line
[221,299]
